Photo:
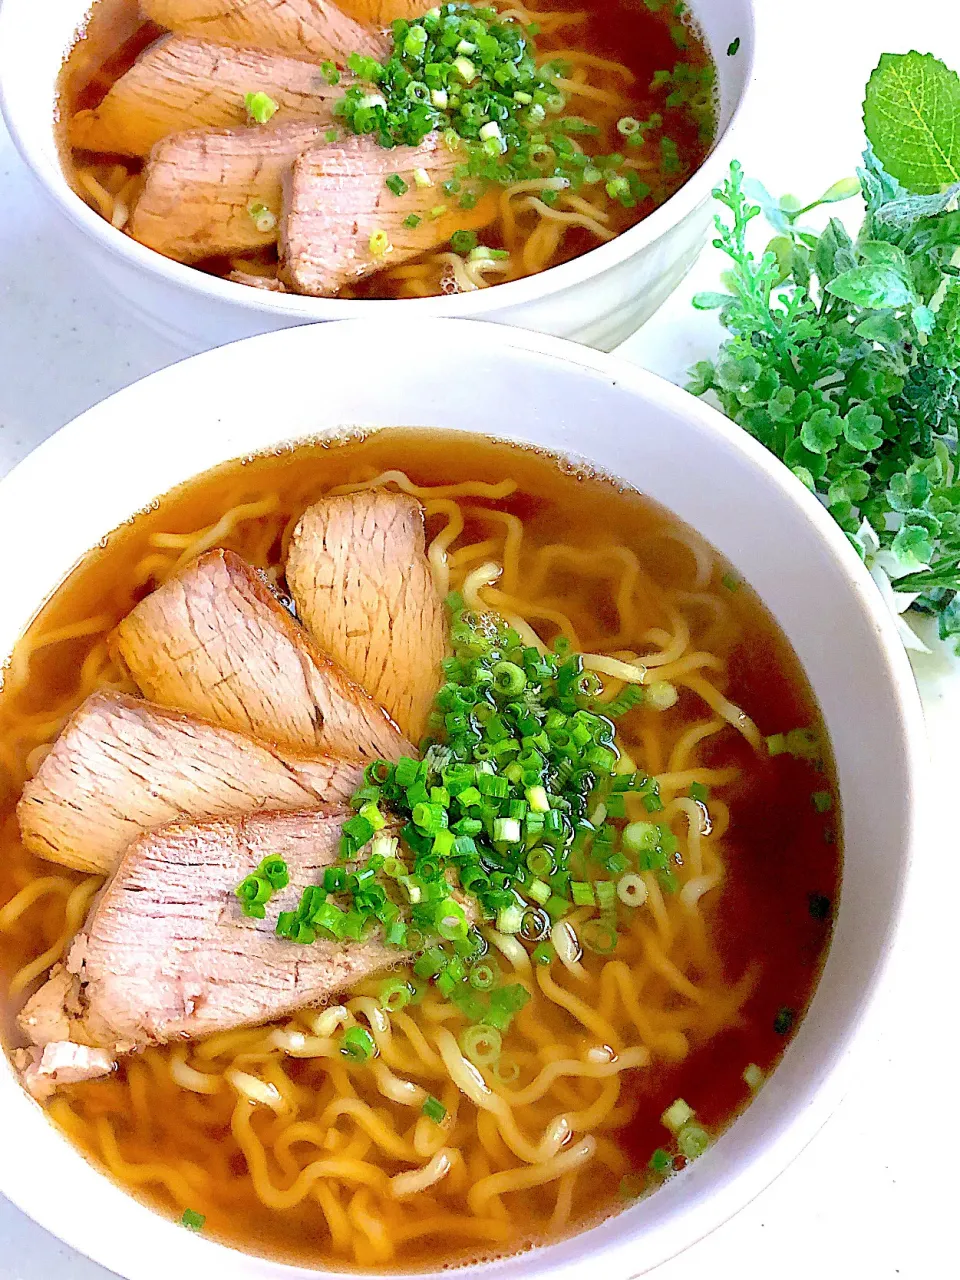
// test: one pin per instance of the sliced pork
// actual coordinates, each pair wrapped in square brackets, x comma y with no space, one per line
[358,571]
[214,641]
[305,28]
[183,83]
[216,193]
[59,1063]
[123,766]
[167,954]
[380,13]
[341,222]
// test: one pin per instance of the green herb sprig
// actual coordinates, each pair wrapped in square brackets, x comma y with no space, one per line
[844,353]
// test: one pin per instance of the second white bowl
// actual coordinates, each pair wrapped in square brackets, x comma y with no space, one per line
[599,298]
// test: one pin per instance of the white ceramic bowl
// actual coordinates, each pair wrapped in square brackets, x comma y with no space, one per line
[97,471]
[599,298]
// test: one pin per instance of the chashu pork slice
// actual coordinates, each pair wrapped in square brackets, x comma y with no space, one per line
[199,188]
[123,766]
[183,83]
[314,29]
[341,222]
[214,642]
[380,13]
[166,952]
[358,571]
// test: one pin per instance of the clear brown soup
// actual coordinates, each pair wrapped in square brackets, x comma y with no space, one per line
[769,918]
[643,39]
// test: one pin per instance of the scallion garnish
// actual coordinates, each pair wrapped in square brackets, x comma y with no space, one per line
[358,1044]
[434,1110]
[260,107]
[192,1220]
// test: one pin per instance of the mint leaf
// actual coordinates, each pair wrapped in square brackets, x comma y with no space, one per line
[912,118]
[873,287]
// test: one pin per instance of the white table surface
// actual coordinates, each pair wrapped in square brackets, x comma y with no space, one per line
[875,1195]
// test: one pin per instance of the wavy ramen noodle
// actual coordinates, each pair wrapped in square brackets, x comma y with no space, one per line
[270,1133]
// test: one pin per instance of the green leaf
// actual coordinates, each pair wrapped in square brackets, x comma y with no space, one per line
[950,619]
[882,327]
[909,490]
[821,431]
[873,287]
[798,456]
[710,301]
[782,249]
[912,118]
[912,546]
[861,429]
[834,252]
[924,319]
[771,207]
[845,189]
[881,253]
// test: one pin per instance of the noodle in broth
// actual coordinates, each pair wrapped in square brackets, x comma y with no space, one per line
[269,1132]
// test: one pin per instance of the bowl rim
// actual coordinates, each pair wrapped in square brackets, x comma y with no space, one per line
[29,143]
[25,484]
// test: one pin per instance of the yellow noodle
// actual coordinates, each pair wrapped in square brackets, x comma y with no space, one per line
[75,910]
[531,1176]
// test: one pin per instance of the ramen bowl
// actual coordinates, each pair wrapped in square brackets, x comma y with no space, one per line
[599,298]
[253,397]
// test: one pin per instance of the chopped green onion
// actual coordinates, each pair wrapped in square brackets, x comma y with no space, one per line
[693,1141]
[481,1044]
[537,799]
[506,1069]
[264,219]
[396,184]
[640,837]
[463,241]
[783,1022]
[582,894]
[395,995]
[509,919]
[539,891]
[434,1110]
[412,220]
[661,1162]
[599,936]
[543,953]
[483,976]
[632,889]
[329,73]
[254,890]
[677,1115]
[358,1044]
[753,1077]
[380,244]
[260,107]
[192,1220]
[661,695]
[465,70]
[627,125]
[507,830]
